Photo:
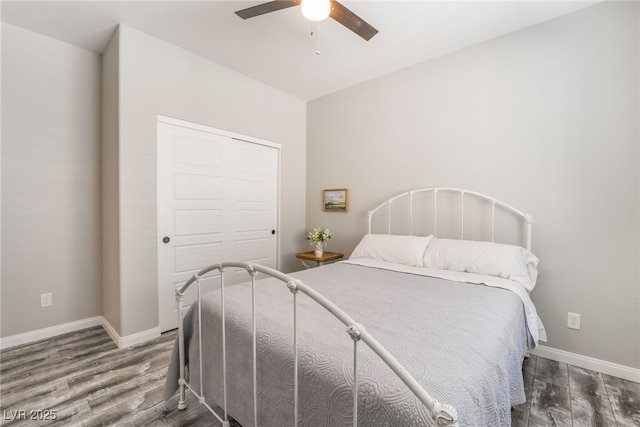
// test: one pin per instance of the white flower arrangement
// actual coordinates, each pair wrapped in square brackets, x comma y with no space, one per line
[319,235]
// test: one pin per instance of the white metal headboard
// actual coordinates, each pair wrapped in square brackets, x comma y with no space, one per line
[527,218]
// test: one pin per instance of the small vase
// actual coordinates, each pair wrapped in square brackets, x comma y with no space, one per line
[318,250]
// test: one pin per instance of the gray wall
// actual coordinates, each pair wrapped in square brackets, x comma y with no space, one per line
[50,181]
[546,119]
[71,203]
[160,78]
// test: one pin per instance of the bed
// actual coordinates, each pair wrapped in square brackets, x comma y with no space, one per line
[446,323]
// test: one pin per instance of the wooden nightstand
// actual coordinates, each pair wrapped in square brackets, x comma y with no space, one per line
[310,256]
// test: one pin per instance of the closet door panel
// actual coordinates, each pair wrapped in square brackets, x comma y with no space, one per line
[217,201]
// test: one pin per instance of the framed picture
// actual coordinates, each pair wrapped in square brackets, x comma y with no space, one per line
[335,200]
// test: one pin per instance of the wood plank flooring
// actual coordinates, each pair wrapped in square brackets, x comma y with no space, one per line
[89,382]
[564,395]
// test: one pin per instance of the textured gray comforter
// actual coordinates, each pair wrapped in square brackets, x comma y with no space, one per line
[463,342]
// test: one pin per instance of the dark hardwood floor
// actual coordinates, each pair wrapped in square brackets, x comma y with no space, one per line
[87,381]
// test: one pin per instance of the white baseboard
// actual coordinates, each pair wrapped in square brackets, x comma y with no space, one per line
[110,330]
[129,340]
[52,331]
[586,362]
[42,334]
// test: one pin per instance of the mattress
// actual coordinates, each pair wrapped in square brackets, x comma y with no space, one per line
[463,342]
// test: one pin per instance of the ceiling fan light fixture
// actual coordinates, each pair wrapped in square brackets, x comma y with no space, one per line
[316,10]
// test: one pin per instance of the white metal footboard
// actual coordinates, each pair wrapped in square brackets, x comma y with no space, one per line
[443,414]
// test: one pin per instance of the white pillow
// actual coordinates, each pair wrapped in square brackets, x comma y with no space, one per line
[494,259]
[407,250]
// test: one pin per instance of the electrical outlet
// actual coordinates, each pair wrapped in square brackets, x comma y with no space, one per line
[573,321]
[46,300]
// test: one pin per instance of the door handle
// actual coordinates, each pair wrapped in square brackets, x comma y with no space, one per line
[273,231]
[166,239]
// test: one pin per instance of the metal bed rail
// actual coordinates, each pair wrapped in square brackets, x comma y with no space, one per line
[443,414]
[435,190]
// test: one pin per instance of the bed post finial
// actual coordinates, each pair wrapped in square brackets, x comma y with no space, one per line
[445,414]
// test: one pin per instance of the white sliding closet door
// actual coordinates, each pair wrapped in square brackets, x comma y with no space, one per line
[217,201]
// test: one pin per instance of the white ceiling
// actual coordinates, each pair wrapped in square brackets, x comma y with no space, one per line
[277,48]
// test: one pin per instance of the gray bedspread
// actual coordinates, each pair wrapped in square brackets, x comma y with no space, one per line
[463,342]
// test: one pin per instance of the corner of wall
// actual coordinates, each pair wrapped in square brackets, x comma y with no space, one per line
[110,163]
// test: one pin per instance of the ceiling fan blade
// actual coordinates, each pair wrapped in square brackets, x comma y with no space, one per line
[268,7]
[352,21]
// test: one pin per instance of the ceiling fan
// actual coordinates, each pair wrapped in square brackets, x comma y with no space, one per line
[315,10]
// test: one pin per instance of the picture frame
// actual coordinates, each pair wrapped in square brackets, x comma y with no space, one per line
[335,200]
